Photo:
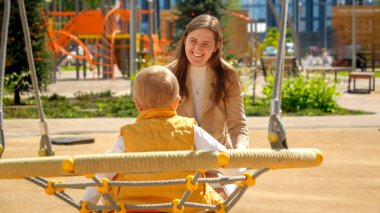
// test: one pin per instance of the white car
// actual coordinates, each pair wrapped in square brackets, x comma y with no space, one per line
[270,51]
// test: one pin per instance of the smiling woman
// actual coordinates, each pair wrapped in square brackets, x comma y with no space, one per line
[209,86]
[199,47]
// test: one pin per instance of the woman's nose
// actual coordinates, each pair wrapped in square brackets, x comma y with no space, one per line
[198,47]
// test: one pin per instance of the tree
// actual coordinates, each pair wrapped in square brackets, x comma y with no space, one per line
[69,5]
[187,10]
[272,37]
[17,69]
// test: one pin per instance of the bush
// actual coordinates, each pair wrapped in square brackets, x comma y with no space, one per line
[302,93]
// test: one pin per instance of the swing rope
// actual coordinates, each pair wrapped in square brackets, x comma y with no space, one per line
[3,54]
[276,130]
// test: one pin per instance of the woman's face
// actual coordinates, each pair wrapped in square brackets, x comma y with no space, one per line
[199,46]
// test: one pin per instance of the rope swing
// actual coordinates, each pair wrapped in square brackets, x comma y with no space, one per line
[151,162]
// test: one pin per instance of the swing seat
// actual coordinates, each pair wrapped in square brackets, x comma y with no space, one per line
[153,162]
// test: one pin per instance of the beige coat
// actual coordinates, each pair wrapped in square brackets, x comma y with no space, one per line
[225,121]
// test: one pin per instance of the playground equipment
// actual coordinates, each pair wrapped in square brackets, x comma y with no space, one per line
[279,157]
[105,38]
[153,162]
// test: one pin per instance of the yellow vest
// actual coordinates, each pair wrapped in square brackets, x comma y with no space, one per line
[160,130]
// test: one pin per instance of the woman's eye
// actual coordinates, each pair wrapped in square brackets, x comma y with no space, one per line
[205,45]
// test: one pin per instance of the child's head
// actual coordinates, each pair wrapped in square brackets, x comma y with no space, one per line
[156,87]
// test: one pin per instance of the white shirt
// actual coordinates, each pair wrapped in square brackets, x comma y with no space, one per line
[202,141]
[198,77]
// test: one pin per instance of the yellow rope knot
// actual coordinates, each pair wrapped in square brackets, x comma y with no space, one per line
[68,165]
[50,189]
[189,185]
[175,203]
[42,152]
[222,208]
[249,181]
[319,158]
[83,207]
[273,137]
[223,159]
[104,188]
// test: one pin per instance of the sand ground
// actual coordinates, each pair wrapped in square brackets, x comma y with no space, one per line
[347,181]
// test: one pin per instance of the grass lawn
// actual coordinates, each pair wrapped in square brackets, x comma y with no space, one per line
[91,105]
[377,73]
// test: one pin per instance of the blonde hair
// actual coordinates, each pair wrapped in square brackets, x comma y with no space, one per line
[155,87]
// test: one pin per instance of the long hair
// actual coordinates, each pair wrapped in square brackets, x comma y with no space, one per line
[222,71]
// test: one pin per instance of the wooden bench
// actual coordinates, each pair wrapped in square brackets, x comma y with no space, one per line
[370,76]
[268,66]
[325,70]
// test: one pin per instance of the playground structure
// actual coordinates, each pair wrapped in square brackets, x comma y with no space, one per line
[104,38]
[279,157]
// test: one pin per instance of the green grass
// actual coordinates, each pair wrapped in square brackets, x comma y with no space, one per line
[377,73]
[84,105]
[91,105]
[71,68]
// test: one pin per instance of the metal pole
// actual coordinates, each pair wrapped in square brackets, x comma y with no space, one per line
[353,62]
[325,26]
[84,8]
[299,17]
[276,93]
[77,48]
[132,42]
[151,27]
[296,40]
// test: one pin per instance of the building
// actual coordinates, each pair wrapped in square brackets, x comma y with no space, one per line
[311,18]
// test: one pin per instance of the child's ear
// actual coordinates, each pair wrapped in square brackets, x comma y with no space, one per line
[175,103]
[138,105]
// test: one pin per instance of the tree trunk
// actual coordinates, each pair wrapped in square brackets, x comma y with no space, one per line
[17,97]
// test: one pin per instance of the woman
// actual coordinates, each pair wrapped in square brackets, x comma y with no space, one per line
[209,86]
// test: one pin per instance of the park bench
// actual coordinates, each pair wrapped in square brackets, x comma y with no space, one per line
[353,76]
[268,66]
[324,70]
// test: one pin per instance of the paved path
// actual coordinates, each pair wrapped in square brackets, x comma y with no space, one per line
[120,86]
